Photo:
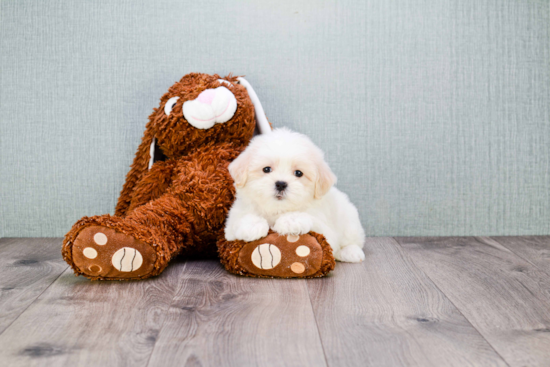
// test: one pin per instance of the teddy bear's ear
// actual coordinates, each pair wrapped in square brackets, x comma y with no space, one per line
[263,126]
[152,153]
[137,169]
[155,154]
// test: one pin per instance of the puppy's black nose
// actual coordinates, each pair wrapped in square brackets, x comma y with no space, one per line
[281,185]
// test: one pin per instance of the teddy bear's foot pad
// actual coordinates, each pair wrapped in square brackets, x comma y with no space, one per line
[282,256]
[103,253]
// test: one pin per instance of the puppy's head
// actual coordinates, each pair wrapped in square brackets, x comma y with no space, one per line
[282,171]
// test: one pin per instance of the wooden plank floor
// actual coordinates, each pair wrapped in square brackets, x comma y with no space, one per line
[413,302]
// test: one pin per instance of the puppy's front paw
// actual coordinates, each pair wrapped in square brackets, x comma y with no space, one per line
[350,254]
[252,228]
[293,223]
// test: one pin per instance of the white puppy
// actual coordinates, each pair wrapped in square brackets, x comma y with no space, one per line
[284,183]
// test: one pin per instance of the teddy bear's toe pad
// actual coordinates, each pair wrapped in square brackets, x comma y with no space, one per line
[103,253]
[282,256]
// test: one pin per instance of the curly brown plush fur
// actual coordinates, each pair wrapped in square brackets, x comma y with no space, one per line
[179,206]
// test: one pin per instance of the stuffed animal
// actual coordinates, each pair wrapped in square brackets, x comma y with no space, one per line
[178,192]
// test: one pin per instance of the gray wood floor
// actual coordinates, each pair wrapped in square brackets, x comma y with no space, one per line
[459,301]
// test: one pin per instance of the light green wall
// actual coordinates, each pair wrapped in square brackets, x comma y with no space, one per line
[433,114]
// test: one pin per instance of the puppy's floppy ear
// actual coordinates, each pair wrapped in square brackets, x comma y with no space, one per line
[238,169]
[325,179]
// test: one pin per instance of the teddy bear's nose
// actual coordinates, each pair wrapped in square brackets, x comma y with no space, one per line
[212,106]
[207,96]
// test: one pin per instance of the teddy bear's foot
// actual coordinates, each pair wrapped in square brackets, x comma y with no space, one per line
[103,253]
[279,256]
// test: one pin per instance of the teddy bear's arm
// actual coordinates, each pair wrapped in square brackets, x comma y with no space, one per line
[197,202]
[153,184]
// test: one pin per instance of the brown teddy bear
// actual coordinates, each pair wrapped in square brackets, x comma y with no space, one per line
[178,192]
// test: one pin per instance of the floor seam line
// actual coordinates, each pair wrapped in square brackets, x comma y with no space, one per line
[316,324]
[521,257]
[450,300]
[527,261]
[164,320]
[37,297]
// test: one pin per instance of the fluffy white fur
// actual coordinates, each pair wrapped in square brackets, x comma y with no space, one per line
[308,203]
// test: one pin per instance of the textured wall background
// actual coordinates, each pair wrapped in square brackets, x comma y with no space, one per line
[435,115]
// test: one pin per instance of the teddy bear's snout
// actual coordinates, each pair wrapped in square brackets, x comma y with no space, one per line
[212,106]
[207,96]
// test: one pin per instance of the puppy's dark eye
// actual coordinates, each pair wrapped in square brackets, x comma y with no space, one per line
[267,169]
[298,173]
